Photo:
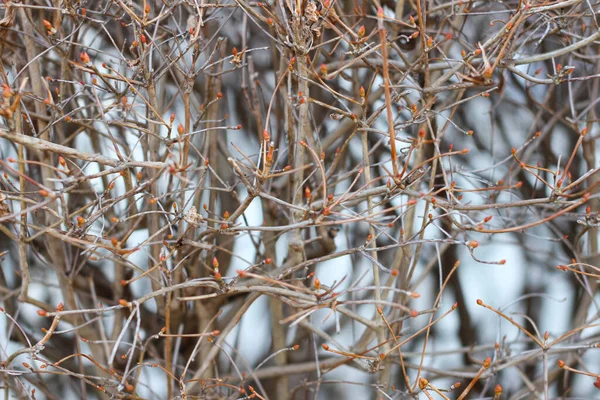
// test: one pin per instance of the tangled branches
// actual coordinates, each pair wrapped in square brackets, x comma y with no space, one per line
[299,199]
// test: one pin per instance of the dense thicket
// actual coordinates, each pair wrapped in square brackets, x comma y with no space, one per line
[299,199]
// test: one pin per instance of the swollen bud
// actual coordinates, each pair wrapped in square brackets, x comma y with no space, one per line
[361,31]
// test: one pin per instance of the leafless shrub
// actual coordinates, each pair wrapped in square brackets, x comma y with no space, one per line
[299,199]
